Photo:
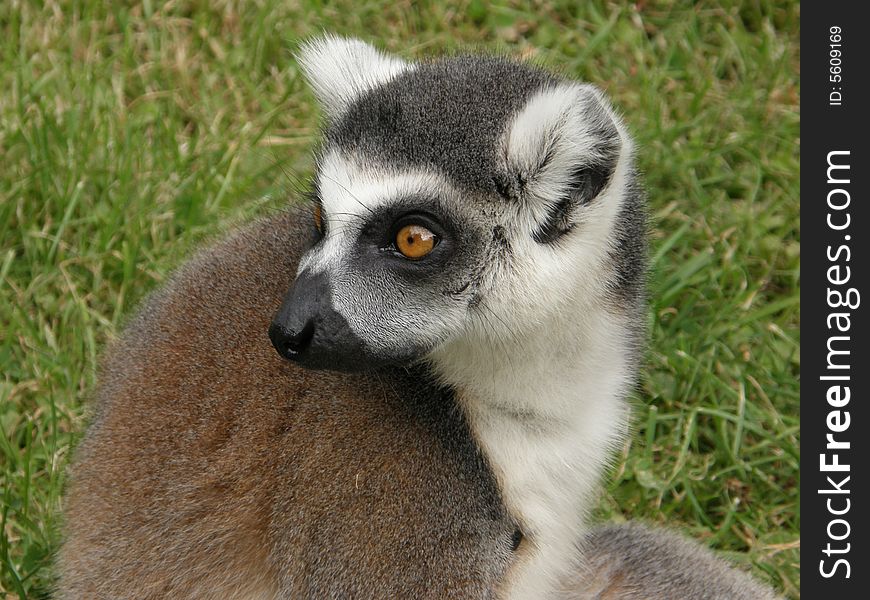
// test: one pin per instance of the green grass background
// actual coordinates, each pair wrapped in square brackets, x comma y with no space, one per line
[131,131]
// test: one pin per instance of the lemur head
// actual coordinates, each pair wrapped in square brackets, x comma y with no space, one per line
[466,198]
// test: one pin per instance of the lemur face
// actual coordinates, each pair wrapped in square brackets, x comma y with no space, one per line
[468,198]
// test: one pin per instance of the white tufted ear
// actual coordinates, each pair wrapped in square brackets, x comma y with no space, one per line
[341,69]
[561,150]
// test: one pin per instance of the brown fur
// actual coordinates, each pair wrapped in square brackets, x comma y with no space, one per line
[215,469]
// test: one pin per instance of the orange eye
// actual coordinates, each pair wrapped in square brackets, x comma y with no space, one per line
[415,241]
[318,218]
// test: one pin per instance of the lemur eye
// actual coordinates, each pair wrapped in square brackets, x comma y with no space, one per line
[415,241]
[516,540]
[318,218]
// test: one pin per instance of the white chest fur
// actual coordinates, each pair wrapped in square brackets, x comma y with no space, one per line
[547,419]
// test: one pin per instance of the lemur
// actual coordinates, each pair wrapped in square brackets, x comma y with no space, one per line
[458,319]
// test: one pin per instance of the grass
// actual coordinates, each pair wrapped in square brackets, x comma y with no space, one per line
[128,133]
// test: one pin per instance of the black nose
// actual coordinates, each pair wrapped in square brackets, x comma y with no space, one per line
[309,331]
[291,344]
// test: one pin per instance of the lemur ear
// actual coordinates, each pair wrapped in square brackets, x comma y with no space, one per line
[341,69]
[561,151]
